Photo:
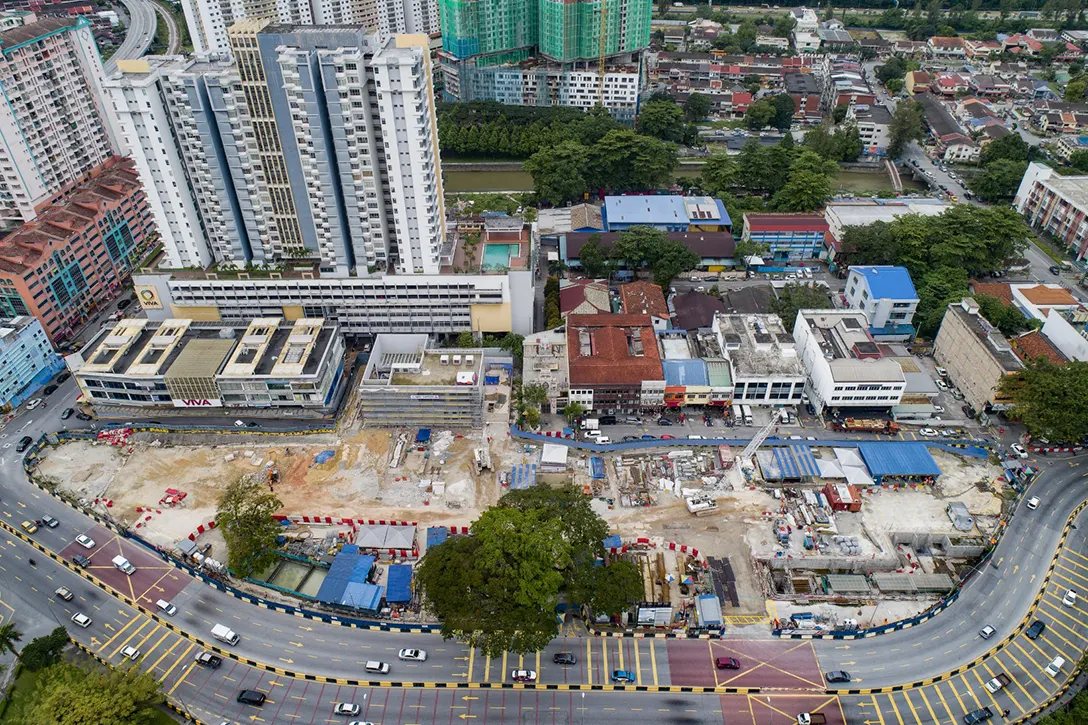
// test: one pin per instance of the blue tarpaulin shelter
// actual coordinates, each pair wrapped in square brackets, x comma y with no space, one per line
[423,435]
[324,456]
[596,467]
[522,476]
[436,535]
[613,542]
[895,458]
[362,595]
[398,587]
[348,567]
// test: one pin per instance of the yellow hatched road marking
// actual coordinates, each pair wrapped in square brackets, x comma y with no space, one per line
[1008,692]
[155,646]
[1025,670]
[653,660]
[922,692]
[879,714]
[589,660]
[906,696]
[129,638]
[179,660]
[944,703]
[891,699]
[109,641]
[168,651]
[638,664]
[958,698]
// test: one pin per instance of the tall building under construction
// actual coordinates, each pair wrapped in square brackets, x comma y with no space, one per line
[545,52]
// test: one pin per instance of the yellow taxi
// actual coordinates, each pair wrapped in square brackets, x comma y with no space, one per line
[30,527]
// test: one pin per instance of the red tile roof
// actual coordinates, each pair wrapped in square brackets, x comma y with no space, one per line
[574,295]
[793,222]
[643,298]
[601,350]
[999,290]
[1033,345]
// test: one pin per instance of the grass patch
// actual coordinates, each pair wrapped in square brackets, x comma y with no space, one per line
[1048,248]
[722,124]
[19,697]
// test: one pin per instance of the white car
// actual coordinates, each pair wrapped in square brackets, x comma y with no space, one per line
[81,619]
[941,384]
[1018,450]
[929,433]
[1070,598]
[33,403]
[413,655]
[361,722]
[523,676]
[1033,503]
[130,652]
[85,541]
[938,408]
[345,708]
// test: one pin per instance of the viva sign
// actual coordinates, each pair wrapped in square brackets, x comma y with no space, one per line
[197,403]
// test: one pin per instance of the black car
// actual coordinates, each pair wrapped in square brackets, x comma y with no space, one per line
[251,697]
[564,658]
[84,416]
[1055,269]
[123,304]
[63,377]
[628,439]
[837,676]
[977,716]
[24,443]
[81,560]
[1036,629]
[50,522]
[66,413]
[50,389]
[207,659]
[664,421]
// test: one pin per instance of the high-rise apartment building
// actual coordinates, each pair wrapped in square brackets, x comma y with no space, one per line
[315,143]
[545,52]
[210,20]
[52,128]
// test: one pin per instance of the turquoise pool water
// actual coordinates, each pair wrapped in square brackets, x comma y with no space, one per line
[498,255]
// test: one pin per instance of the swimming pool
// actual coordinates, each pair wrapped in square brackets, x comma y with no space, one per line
[497,256]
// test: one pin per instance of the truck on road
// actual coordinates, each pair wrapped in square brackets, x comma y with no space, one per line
[223,633]
[1002,680]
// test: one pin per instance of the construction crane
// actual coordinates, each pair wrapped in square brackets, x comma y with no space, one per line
[744,460]
[602,46]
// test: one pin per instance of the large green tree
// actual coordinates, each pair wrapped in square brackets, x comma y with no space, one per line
[42,652]
[1009,148]
[808,186]
[1050,399]
[795,297]
[894,67]
[244,516]
[625,160]
[1075,713]
[760,114]
[697,107]
[9,637]
[905,126]
[999,179]
[1007,318]
[662,119]
[938,288]
[784,108]
[718,174]
[498,588]
[559,172]
[67,694]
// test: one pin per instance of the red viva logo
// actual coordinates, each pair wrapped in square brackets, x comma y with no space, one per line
[204,402]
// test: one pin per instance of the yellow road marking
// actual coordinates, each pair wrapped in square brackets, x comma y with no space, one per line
[891,699]
[1026,672]
[879,714]
[154,646]
[471,661]
[958,698]
[167,653]
[906,696]
[182,678]
[179,660]
[653,660]
[1007,689]
[944,704]
[620,648]
[502,678]
[604,660]
[589,659]
[109,641]
[638,664]
[922,692]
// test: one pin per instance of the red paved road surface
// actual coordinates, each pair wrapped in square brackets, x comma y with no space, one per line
[154,579]
[778,664]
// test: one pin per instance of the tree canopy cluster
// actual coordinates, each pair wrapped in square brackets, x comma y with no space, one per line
[906,126]
[621,160]
[662,118]
[1050,399]
[775,110]
[1006,318]
[69,694]
[490,128]
[835,144]
[940,252]
[796,180]
[795,297]
[497,589]
[244,516]
[1075,713]
[638,247]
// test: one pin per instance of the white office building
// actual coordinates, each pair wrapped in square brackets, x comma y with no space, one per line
[53,128]
[763,360]
[844,367]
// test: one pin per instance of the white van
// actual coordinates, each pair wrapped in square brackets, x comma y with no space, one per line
[123,564]
[376,667]
[166,607]
[603,440]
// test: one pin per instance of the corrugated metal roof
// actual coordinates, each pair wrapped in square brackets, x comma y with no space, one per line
[898,458]
[685,372]
[645,210]
[842,583]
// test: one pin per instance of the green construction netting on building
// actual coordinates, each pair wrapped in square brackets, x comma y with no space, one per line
[483,27]
[571,30]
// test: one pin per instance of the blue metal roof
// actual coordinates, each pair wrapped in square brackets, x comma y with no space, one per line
[888,282]
[645,210]
[436,535]
[898,458]
[398,587]
[613,541]
[522,476]
[348,568]
[724,214]
[596,467]
[685,372]
[362,596]
[796,461]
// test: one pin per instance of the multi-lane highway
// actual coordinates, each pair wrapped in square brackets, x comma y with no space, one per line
[138,35]
[305,665]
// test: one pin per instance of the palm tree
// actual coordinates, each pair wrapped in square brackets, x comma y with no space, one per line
[9,635]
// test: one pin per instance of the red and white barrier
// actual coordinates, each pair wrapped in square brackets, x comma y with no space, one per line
[201,529]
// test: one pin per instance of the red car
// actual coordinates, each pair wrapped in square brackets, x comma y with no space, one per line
[726,663]
[668,438]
